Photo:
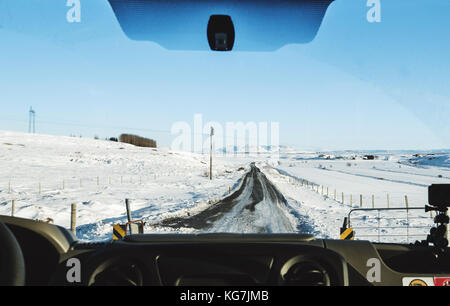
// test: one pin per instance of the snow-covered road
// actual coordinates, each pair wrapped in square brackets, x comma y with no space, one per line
[256,207]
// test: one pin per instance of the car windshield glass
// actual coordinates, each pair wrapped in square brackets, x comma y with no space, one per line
[288,126]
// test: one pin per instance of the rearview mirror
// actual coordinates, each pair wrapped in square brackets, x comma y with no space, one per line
[248,25]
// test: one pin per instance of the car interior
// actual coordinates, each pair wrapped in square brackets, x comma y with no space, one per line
[208,54]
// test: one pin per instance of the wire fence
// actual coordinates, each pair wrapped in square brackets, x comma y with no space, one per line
[356,200]
[49,185]
[390,224]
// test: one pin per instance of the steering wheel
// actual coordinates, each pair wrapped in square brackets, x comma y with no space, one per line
[12,264]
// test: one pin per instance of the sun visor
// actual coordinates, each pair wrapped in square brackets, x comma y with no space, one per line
[259,25]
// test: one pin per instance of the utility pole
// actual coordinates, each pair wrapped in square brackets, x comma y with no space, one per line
[211,153]
[32,121]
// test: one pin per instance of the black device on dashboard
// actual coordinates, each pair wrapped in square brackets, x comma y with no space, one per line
[439,200]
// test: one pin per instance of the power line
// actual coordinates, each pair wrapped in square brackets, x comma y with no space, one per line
[31,127]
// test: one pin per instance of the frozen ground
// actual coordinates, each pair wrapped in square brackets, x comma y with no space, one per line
[98,175]
[45,174]
[388,178]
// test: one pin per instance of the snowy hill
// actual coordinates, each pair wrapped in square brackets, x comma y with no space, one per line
[45,174]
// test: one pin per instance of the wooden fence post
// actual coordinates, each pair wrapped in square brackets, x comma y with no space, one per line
[360,201]
[127,205]
[73,218]
[373,201]
[13,206]
[407,217]
[388,204]
[342,198]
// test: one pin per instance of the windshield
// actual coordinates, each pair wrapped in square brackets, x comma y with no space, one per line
[270,137]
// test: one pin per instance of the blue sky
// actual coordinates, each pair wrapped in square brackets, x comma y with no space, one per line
[358,85]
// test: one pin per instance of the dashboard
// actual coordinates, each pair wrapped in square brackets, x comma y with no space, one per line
[208,260]
[53,256]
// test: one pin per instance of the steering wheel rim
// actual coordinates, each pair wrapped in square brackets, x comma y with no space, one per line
[12,264]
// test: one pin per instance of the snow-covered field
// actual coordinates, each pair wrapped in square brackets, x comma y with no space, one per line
[392,178]
[45,174]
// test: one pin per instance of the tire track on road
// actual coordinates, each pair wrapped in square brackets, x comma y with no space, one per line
[256,207]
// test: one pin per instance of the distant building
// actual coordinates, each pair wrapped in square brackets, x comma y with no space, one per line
[137,140]
[369,157]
